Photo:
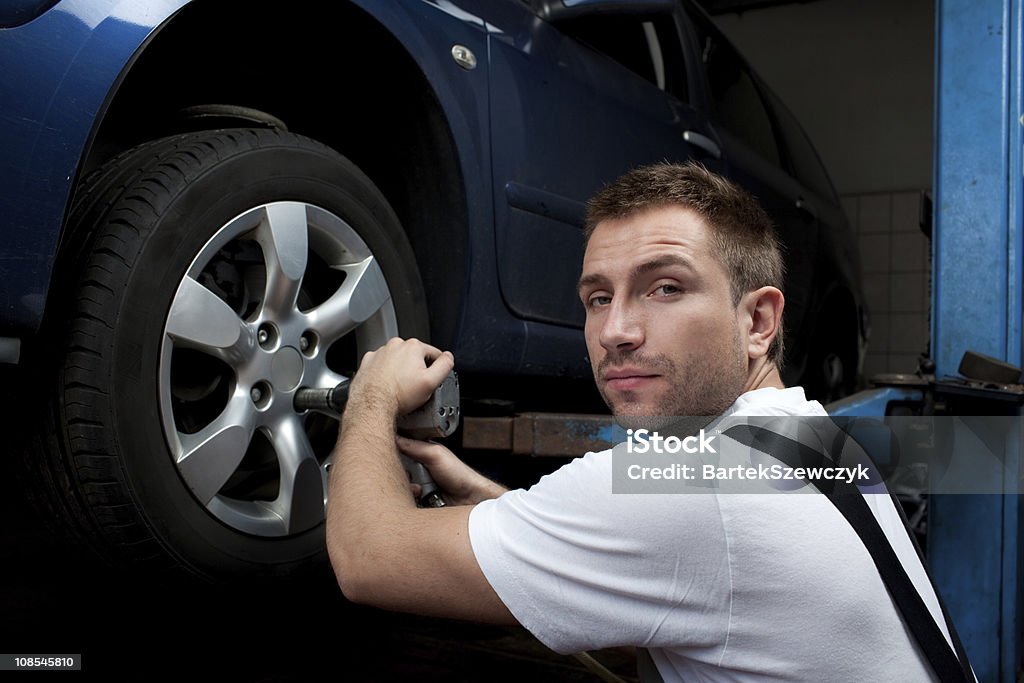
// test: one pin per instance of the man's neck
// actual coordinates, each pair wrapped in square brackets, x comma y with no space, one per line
[763,374]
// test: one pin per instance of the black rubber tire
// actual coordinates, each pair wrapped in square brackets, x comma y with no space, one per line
[833,345]
[136,226]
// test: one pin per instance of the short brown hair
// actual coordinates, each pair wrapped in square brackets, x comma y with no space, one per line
[741,231]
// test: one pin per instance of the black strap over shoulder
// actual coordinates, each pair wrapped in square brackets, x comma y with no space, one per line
[646,670]
[950,667]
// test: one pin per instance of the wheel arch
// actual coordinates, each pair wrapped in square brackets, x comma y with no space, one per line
[398,135]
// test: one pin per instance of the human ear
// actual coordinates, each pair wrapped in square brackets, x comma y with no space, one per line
[763,309]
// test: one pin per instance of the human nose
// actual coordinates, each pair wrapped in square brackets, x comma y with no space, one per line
[622,329]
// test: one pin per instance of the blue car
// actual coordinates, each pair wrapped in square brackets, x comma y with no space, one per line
[207,206]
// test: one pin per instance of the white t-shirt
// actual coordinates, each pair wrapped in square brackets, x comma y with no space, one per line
[719,587]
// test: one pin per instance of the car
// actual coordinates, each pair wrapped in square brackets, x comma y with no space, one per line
[207,206]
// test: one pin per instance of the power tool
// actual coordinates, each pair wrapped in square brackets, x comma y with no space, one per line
[437,418]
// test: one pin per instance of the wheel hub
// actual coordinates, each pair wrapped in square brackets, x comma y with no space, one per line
[286,369]
[315,304]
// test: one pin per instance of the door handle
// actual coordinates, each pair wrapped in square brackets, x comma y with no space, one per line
[703,142]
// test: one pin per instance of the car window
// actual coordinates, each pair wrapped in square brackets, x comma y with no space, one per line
[807,166]
[646,45]
[736,100]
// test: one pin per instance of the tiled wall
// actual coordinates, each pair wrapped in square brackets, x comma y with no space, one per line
[895,259]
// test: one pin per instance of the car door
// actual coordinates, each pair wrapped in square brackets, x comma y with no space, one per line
[756,157]
[574,104]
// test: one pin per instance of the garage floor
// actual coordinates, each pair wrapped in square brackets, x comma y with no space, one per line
[55,601]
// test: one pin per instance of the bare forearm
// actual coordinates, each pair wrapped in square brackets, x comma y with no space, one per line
[369,491]
[386,551]
[461,484]
[489,490]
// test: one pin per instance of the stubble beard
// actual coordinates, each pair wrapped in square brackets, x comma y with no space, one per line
[703,386]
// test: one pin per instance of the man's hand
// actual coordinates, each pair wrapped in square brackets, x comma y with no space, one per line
[461,484]
[402,374]
[384,550]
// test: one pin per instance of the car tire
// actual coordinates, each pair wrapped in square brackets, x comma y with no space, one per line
[204,280]
[831,370]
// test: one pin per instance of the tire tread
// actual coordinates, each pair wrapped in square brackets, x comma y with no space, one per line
[77,461]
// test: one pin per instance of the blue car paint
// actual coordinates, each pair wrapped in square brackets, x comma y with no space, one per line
[523,194]
[54,103]
[58,71]
[19,12]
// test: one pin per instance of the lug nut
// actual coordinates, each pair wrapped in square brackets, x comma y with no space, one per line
[261,394]
[267,336]
[308,343]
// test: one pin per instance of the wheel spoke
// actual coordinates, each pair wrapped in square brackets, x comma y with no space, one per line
[284,239]
[296,241]
[209,457]
[330,378]
[300,500]
[201,320]
[362,294]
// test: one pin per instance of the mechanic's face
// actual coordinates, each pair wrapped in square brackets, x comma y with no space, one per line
[663,335]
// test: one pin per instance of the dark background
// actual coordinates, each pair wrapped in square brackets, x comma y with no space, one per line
[57,598]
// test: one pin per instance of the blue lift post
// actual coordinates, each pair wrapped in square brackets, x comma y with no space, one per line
[974,549]
[974,540]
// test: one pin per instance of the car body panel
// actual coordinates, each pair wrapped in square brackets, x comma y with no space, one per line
[540,124]
[78,51]
[550,92]
[476,171]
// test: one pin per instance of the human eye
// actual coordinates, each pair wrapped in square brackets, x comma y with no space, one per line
[666,289]
[598,299]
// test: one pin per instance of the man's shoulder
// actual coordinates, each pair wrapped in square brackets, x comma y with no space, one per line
[770,401]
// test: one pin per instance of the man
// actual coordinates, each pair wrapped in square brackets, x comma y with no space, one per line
[681,284]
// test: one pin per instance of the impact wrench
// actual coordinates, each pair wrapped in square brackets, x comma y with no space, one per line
[435,419]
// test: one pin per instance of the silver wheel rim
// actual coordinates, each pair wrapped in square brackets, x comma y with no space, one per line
[286,295]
